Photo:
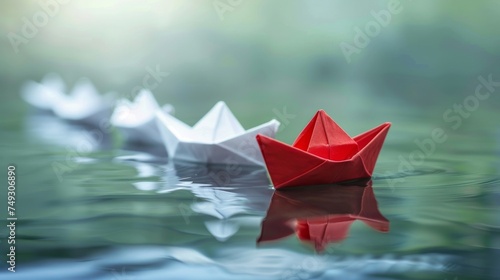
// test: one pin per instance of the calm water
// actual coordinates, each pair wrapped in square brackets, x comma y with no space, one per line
[93,209]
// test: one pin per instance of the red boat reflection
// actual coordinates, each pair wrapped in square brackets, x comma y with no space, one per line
[321,214]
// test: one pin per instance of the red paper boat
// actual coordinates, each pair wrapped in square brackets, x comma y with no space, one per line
[323,153]
[323,216]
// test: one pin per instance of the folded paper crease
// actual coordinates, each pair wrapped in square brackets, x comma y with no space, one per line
[323,153]
[216,138]
[136,118]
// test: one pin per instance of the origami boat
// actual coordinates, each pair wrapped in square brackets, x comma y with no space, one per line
[136,119]
[323,153]
[43,95]
[83,104]
[218,138]
[322,216]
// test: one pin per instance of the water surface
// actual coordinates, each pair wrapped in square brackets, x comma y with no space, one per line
[97,209]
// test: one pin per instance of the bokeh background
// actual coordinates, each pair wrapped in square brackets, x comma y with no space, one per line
[268,59]
[261,55]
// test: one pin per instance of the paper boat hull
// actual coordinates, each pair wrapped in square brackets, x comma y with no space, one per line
[95,117]
[182,143]
[288,166]
[211,154]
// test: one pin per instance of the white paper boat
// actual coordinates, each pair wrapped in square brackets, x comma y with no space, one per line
[84,104]
[136,119]
[217,138]
[43,95]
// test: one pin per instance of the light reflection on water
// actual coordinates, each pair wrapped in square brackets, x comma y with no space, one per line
[321,215]
[146,262]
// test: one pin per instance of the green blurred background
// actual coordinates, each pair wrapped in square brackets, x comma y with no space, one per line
[262,56]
